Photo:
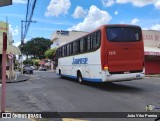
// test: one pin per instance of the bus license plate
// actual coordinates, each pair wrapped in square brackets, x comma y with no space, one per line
[138,75]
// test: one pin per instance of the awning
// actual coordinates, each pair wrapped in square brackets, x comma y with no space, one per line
[11,49]
[151,50]
[42,63]
[5,2]
[14,50]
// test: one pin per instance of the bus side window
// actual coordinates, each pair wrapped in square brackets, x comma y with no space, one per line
[68,49]
[89,43]
[71,48]
[78,46]
[59,53]
[62,51]
[65,50]
[81,45]
[74,47]
[85,44]
[96,40]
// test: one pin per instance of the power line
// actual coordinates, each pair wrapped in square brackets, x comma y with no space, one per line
[29,14]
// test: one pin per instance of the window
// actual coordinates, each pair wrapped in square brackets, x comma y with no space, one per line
[78,46]
[68,49]
[74,47]
[71,48]
[62,51]
[85,45]
[65,50]
[96,40]
[88,43]
[124,34]
[81,45]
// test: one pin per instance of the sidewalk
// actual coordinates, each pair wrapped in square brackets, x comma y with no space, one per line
[18,78]
[154,75]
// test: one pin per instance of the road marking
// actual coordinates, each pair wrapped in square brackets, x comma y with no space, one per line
[71,119]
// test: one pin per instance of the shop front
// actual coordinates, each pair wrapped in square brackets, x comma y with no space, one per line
[152,51]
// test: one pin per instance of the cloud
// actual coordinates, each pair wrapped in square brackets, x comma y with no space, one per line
[20,1]
[14,31]
[155,27]
[157,4]
[135,21]
[79,12]
[58,7]
[108,3]
[116,12]
[95,18]
[17,43]
[138,3]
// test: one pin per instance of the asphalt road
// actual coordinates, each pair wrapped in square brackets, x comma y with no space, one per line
[46,92]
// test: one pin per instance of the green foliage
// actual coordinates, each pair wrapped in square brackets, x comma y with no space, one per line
[36,47]
[28,62]
[36,62]
[50,53]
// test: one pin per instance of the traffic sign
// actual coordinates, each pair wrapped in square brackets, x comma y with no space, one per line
[10,56]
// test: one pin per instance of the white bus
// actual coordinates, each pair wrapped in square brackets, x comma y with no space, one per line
[109,53]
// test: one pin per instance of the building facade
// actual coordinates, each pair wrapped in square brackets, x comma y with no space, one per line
[60,37]
[11,50]
[152,51]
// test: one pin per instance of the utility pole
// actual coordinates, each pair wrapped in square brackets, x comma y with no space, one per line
[22,41]
[4,72]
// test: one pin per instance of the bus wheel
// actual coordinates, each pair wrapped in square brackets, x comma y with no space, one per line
[79,77]
[60,74]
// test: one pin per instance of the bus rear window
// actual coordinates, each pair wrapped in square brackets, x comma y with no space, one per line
[123,34]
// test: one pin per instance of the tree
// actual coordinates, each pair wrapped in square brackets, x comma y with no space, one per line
[36,63]
[28,61]
[36,47]
[50,53]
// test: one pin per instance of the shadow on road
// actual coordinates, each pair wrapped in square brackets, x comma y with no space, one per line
[115,87]
[110,86]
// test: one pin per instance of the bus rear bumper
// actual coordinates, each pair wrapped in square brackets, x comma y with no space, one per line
[121,77]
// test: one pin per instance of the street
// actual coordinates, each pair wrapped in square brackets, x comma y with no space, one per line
[46,92]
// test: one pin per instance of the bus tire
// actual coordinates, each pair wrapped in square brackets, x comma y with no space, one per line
[79,77]
[60,74]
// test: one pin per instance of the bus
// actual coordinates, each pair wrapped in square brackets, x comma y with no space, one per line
[108,54]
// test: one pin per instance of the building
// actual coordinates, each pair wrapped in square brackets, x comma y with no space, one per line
[60,37]
[5,2]
[11,50]
[152,51]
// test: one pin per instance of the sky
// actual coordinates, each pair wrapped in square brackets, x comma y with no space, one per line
[81,15]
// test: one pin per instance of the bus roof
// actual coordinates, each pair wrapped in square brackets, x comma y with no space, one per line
[100,27]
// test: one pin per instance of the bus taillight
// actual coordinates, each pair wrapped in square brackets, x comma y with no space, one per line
[105,68]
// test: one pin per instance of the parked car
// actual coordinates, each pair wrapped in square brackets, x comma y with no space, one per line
[27,69]
[33,67]
[42,68]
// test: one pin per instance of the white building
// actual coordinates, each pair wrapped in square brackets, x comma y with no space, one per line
[61,37]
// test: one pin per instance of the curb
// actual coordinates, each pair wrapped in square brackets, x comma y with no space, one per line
[25,78]
[152,75]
